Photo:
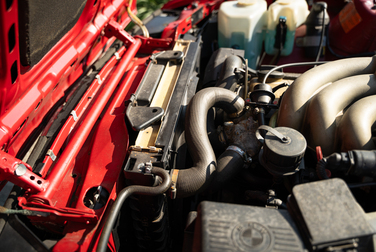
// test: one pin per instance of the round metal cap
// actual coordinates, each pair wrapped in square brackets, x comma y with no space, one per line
[283,157]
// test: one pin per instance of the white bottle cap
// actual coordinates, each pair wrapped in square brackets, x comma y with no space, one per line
[243,3]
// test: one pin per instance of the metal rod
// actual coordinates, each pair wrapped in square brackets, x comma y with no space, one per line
[68,156]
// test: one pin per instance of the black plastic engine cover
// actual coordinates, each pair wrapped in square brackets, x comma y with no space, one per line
[329,217]
[230,227]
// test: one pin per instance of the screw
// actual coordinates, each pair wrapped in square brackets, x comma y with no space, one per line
[20,170]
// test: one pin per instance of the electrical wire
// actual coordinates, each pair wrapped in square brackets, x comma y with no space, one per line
[322,33]
[123,195]
[136,20]
[291,65]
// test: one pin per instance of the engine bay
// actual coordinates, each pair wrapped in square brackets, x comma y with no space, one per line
[210,126]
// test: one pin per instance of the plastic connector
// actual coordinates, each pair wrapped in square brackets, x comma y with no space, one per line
[356,162]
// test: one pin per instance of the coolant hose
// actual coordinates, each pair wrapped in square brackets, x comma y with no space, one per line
[295,99]
[228,78]
[123,195]
[229,164]
[195,179]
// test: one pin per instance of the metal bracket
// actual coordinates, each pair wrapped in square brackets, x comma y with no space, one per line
[114,29]
[151,149]
[51,154]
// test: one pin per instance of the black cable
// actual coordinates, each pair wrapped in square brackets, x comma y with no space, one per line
[322,34]
[291,65]
[280,86]
[123,195]
[260,61]
[357,185]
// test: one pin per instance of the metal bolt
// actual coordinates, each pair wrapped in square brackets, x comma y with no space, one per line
[148,167]
[141,167]
[20,170]
[271,193]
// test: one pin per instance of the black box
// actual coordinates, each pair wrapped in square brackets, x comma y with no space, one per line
[230,227]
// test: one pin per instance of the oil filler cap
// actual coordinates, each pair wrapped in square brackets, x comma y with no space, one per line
[282,151]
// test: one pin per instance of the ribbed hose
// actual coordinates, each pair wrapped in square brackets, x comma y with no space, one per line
[123,195]
[195,179]
[320,169]
[228,78]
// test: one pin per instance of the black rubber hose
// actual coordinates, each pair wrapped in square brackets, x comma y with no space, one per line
[195,179]
[123,195]
[229,164]
[228,78]
[320,169]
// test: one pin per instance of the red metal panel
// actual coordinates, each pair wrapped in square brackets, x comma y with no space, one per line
[38,89]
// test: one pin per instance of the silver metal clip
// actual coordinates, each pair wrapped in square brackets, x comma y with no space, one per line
[75,117]
[98,77]
[117,56]
[51,154]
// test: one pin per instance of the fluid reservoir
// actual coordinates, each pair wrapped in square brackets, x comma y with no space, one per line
[293,13]
[353,30]
[240,26]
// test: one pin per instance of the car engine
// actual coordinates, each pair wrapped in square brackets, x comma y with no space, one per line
[210,125]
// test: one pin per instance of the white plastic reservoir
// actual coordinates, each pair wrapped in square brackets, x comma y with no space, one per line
[240,26]
[295,13]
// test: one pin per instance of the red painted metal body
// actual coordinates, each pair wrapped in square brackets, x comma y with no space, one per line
[353,30]
[92,145]
[191,15]
[35,92]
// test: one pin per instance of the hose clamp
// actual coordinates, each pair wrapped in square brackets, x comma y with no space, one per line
[241,152]
[174,180]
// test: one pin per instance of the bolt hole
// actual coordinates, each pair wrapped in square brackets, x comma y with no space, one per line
[32,177]
[11,38]
[39,182]
[154,110]
[38,105]
[19,128]
[14,72]
[8,4]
